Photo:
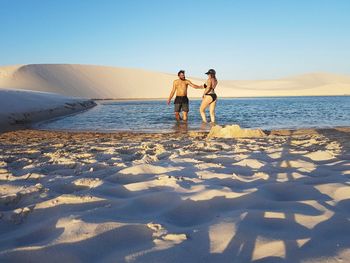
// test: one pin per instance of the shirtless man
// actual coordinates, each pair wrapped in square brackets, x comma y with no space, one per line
[181,100]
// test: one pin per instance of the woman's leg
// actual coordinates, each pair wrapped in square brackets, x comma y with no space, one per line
[205,103]
[212,111]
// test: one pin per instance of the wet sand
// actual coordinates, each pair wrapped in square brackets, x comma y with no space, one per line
[122,197]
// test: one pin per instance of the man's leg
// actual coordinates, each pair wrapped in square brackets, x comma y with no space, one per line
[185,109]
[177,111]
[177,116]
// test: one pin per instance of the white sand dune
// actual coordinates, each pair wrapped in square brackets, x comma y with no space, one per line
[20,108]
[112,82]
[89,197]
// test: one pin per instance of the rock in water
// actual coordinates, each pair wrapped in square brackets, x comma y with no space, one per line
[234,131]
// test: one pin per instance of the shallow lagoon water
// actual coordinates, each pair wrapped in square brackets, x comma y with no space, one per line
[156,116]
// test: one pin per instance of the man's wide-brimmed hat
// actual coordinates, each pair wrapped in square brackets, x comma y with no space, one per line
[211,71]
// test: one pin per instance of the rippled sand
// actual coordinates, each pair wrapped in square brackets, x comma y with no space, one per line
[89,197]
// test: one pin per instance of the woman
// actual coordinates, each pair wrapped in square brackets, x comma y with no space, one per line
[209,96]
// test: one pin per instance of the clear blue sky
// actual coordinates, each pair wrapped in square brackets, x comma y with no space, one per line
[242,39]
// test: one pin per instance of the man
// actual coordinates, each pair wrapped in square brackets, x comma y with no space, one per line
[181,100]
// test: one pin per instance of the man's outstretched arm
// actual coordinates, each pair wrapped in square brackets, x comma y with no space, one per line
[172,93]
[194,85]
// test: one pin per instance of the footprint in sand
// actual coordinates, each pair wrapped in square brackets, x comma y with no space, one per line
[160,233]
[17,194]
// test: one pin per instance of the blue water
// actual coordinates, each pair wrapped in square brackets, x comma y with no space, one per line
[156,116]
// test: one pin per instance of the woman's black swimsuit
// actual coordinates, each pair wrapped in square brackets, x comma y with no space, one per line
[213,95]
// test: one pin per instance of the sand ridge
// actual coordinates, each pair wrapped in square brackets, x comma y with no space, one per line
[20,108]
[86,197]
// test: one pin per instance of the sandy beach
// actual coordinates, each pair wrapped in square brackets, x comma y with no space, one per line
[19,109]
[227,195]
[123,197]
[174,131]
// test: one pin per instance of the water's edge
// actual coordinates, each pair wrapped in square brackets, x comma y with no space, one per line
[150,116]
